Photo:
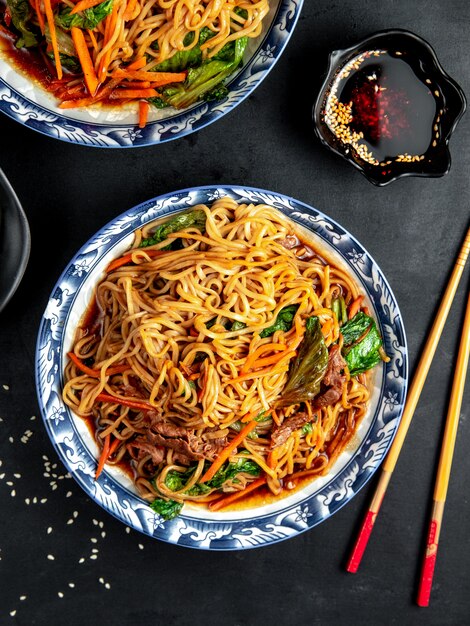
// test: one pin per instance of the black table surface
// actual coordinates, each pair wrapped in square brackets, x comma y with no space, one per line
[63,560]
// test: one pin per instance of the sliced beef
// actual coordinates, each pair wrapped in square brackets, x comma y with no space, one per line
[291,241]
[282,433]
[175,443]
[333,381]
[140,447]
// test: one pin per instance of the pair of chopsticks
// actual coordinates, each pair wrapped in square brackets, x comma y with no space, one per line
[448,442]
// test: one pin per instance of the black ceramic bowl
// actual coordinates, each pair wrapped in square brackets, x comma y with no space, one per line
[15,241]
[388,107]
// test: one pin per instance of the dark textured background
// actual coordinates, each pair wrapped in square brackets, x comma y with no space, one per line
[413,228]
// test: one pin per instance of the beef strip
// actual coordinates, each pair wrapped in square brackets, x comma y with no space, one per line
[282,433]
[141,447]
[330,392]
[333,381]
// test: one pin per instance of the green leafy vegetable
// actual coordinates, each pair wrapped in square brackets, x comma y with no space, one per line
[87,19]
[186,58]
[218,93]
[361,343]
[204,78]
[283,321]
[307,429]
[20,12]
[69,62]
[237,325]
[168,509]
[355,328]
[309,367]
[338,307]
[188,219]
[64,42]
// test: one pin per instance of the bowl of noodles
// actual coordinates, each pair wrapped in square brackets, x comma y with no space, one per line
[222,367]
[129,73]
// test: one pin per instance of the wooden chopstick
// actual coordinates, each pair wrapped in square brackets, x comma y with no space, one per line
[410,406]
[445,463]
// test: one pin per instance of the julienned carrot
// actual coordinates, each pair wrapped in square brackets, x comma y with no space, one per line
[133,94]
[103,456]
[141,405]
[106,455]
[260,350]
[84,57]
[138,64]
[354,307]
[84,102]
[84,4]
[233,497]
[129,9]
[137,84]
[95,373]
[53,33]
[143,113]
[110,26]
[157,78]
[40,16]
[127,258]
[94,43]
[271,360]
[250,416]
[226,452]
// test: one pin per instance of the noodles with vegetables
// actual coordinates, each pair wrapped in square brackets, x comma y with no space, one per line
[222,354]
[150,52]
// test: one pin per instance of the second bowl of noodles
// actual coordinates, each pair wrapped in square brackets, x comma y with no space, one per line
[222,367]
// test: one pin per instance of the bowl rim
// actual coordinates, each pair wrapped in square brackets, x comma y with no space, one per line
[24,245]
[182,123]
[261,528]
[337,57]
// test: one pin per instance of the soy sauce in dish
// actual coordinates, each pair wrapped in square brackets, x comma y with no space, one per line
[385,107]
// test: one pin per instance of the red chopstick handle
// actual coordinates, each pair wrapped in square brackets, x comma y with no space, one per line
[429,562]
[361,542]
[368,523]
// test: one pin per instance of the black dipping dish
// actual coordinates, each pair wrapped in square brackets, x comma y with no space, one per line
[15,241]
[388,107]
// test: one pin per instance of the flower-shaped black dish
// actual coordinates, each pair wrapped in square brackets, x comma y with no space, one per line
[429,101]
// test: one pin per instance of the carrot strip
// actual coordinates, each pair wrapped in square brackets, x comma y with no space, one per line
[133,94]
[127,258]
[355,306]
[215,505]
[249,416]
[271,360]
[226,452]
[55,47]
[95,373]
[264,372]
[141,405]
[138,64]
[137,84]
[40,16]
[108,31]
[258,352]
[84,57]
[157,78]
[143,113]
[84,102]
[106,453]
[103,456]
[84,4]
[94,43]
[129,9]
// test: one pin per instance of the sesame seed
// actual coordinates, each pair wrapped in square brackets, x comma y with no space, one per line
[22,598]
[71,585]
[70,521]
[107,585]
[13,493]
[141,546]
[94,556]
[27,500]
[93,540]
[51,557]
[17,475]
[68,494]
[95,550]
[12,613]
[33,417]
[101,579]
[6,387]
[49,530]
[103,534]
[60,594]
[10,439]
[128,530]
[82,560]
[75,514]
[95,522]
[9,483]
[43,500]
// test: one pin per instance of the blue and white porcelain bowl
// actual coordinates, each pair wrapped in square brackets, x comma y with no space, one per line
[26,102]
[222,530]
